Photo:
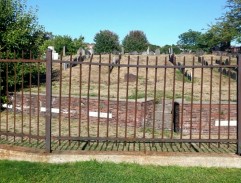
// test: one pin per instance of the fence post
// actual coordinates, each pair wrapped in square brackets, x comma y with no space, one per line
[48,100]
[239,106]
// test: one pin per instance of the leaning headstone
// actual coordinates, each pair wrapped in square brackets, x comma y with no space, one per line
[224,72]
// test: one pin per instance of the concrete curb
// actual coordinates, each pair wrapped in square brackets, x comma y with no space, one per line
[161,159]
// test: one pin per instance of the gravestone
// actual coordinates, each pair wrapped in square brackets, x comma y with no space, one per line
[199,59]
[122,50]
[151,53]
[182,70]
[63,51]
[218,62]
[220,69]
[148,50]
[55,55]
[227,62]
[206,63]
[234,76]
[157,51]
[133,53]
[224,72]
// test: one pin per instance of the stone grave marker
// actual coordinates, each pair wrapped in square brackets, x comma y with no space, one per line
[157,51]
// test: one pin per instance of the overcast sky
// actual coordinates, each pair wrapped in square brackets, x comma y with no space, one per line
[161,20]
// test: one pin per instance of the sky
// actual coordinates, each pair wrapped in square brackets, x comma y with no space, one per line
[161,20]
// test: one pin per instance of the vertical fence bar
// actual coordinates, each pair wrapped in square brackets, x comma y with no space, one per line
[164,98]
[239,106]
[38,108]
[48,100]
[154,101]
[69,104]
[127,93]
[173,101]
[201,103]
[15,88]
[22,99]
[60,97]
[229,88]
[98,120]
[191,119]
[108,100]
[7,95]
[144,114]
[210,101]
[219,105]
[117,107]
[30,98]
[88,97]
[80,98]
[136,94]
[183,88]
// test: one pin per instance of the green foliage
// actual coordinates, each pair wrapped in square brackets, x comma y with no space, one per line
[135,41]
[233,17]
[71,45]
[153,47]
[93,171]
[19,29]
[165,49]
[106,42]
[189,40]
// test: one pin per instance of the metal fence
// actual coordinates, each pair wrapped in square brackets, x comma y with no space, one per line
[138,99]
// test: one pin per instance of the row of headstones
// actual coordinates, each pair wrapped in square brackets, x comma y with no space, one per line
[228,73]
[147,52]
[186,74]
[219,62]
[200,60]
[82,54]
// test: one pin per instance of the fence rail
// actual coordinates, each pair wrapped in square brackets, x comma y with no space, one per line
[139,99]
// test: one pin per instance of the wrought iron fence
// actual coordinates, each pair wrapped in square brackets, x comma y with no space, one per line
[137,99]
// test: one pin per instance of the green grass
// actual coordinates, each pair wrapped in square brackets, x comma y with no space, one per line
[92,171]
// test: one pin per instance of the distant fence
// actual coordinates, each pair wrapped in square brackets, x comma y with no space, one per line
[143,99]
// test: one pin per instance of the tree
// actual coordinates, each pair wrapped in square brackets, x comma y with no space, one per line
[165,49]
[135,41]
[71,45]
[232,17]
[106,42]
[189,40]
[19,29]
